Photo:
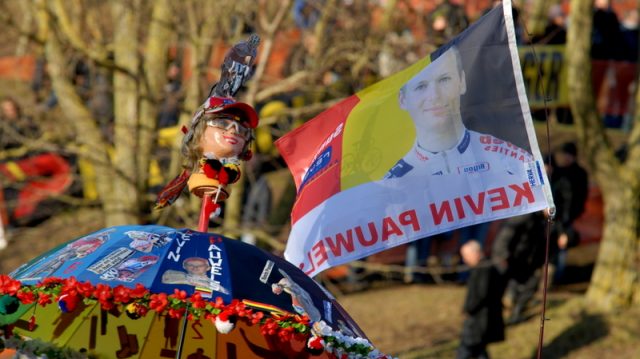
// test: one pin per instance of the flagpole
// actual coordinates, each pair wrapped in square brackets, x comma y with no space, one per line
[551,210]
[544,287]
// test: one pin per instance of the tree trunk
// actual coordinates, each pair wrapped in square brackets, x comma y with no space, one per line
[155,67]
[614,284]
[90,140]
[124,199]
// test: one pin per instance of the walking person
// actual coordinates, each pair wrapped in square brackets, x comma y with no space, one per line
[483,304]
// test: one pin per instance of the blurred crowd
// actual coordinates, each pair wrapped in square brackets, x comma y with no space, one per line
[411,34]
[502,262]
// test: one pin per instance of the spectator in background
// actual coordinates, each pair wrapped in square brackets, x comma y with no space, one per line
[172,98]
[16,127]
[28,177]
[606,48]
[417,255]
[570,186]
[483,322]
[477,232]
[82,80]
[515,13]
[606,37]
[627,70]
[100,102]
[629,29]
[397,53]
[41,86]
[306,13]
[555,33]
[519,252]
[446,21]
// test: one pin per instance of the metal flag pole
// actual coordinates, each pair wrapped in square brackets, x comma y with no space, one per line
[551,211]
[544,288]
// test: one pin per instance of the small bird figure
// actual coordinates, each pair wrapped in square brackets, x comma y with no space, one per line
[237,67]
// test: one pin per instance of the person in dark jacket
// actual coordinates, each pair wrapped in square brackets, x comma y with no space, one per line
[519,252]
[570,187]
[483,304]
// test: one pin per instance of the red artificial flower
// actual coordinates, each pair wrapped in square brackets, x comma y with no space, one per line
[219,304]
[197,302]
[121,294]
[106,304]
[9,285]
[257,317]
[26,296]
[179,294]
[70,287]
[70,282]
[269,327]
[158,302]
[315,343]
[102,292]
[44,299]
[85,289]
[224,315]
[139,291]
[176,313]
[49,282]
[302,319]
[285,334]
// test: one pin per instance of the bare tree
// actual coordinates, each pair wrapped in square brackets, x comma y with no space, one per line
[614,284]
[129,41]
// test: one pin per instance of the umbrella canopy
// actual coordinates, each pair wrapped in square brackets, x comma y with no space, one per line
[122,292]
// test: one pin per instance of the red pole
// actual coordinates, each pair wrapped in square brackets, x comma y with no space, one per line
[205,212]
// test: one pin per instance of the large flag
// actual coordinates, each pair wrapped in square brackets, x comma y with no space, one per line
[447,143]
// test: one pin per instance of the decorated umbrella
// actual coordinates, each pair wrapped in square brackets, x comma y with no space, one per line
[159,292]
[123,292]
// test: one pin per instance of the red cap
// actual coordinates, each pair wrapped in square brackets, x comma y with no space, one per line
[223,104]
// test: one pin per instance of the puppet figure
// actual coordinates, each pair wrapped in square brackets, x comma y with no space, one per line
[219,135]
[218,138]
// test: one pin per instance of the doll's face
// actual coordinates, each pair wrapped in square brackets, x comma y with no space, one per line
[223,138]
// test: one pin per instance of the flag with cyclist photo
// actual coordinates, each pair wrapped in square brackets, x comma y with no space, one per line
[447,143]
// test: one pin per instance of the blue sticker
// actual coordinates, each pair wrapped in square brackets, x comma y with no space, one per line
[398,170]
[321,162]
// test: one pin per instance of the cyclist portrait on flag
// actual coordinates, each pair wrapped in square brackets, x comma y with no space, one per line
[444,145]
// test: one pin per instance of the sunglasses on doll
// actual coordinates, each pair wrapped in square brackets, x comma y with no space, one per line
[226,123]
